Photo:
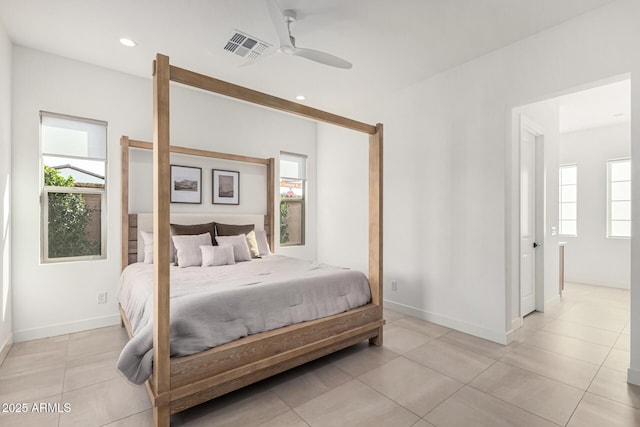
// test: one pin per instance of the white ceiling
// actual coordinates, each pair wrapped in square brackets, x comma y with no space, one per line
[392,44]
[600,106]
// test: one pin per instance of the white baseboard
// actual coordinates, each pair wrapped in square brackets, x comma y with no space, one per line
[499,337]
[5,347]
[65,328]
[633,376]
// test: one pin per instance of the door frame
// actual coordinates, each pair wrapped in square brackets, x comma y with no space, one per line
[528,125]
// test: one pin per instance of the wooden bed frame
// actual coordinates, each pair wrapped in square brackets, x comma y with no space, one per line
[183,382]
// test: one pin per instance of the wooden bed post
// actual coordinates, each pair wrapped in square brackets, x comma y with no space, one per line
[375,222]
[161,186]
[271,201]
[124,209]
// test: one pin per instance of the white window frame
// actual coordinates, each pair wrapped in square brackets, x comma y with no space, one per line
[561,202]
[46,190]
[302,201]
[610,235]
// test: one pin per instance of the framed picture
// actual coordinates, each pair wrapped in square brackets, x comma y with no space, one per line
[226,187]
[186,184]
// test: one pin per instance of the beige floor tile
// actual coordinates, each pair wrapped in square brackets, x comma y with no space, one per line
[361,358]
[91,370]
[96,341]
[613,385]
[35,355]
[288,419]
[31,386]
[429,329]
[104,403]
[552,365]
[582,332]
[455,362]
[623,343]
[595,411]
[523,333]
[391,316]
[541,396]
[244,407]
[537,320]
[627,329]
[567,346]
[611,319]
[416,387]
[422,423]
[471,407]
[354,404]
[618,360]
[33,416]
[401,340]
[302,384]
[141,419]
[477,345]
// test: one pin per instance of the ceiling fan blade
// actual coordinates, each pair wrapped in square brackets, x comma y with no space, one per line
[279,23]
[323,58]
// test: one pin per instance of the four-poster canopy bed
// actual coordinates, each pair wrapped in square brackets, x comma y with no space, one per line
[179,383]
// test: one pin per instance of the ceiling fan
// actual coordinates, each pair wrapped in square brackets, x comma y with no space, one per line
[282,23]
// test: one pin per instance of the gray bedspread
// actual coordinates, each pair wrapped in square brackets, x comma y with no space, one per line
[215,305]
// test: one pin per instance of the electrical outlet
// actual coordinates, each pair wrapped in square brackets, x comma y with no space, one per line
[394,285]
[102,297]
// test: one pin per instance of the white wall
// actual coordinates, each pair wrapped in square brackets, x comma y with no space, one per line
[5,194]
[591,257]
[59,298]
[449,198]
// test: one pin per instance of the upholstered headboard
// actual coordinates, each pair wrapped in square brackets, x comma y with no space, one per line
[144,222]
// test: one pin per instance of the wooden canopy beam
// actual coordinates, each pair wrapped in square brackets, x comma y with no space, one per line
[190,78]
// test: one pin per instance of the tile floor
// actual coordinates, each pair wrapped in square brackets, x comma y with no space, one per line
[566,367]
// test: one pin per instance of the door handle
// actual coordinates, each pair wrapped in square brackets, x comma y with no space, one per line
[535,245]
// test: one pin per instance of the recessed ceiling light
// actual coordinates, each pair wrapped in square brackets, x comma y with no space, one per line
[127,42]
[300,97]
[618,114]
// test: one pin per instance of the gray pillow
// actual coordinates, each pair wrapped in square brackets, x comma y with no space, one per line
[217,255]
[240,246]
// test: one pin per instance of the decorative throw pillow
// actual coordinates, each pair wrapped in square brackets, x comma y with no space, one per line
[263,244]
[188,248]
[182,230]
[253,244]
[232,229]
[240,246]
[217,255]
[147,244]
[147,240]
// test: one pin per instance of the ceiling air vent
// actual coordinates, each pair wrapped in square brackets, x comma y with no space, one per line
[246,46]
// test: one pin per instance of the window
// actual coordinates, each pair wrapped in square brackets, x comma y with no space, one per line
[293,183]
[568,200]
[619,198]
[74,157]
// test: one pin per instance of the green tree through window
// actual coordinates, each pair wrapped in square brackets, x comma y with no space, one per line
[68,216]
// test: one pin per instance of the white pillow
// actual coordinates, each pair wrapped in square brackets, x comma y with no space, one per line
[188,248]
[147,245]
[147,240]
[263,244]
[253,244]
[217,255]
[240,247]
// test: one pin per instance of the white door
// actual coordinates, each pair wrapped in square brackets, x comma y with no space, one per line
[527,222]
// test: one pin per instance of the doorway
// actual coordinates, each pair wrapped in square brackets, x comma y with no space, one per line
[531,154]
[537,214]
